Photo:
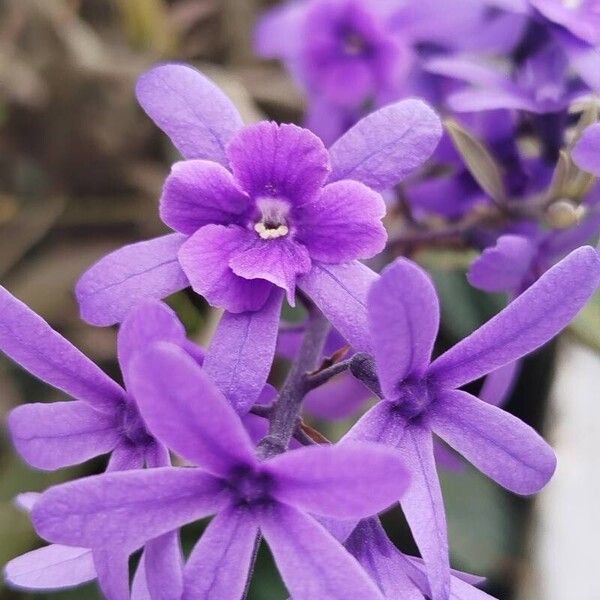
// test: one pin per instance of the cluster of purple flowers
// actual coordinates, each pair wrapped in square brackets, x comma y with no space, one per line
[267,213]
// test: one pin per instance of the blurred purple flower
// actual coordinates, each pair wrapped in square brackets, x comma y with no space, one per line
[287,213]
[344,52]
[579,17]
[422,397]
[275,498]
[351,56]
[540,85]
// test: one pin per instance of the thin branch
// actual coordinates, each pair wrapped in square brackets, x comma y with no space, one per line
[260,410]
[314,380]
[285,415]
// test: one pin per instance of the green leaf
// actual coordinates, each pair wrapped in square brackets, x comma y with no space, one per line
[481,524]
[478,159]
[587,324]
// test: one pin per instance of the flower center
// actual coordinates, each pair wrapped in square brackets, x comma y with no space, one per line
[273,222]
[354,44]
[133,426]
[413,398]
[250,487]
[572,4]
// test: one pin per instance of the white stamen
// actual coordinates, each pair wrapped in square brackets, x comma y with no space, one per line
[270,234]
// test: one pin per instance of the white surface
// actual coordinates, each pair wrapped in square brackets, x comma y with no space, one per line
[564,545]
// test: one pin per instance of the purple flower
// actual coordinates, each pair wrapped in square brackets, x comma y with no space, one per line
[421,397]
[353,55]
[104,417]
[540,85]
[259,210]
[276,219]
[579,17]
[343,51]
[119,512]
[517,260]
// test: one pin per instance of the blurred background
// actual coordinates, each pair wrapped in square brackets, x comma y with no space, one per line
[81,168]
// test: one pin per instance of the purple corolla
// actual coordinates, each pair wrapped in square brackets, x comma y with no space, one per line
[421,397]
[343,52]
[276,498]
[540,85]
[104,416]
[259,210]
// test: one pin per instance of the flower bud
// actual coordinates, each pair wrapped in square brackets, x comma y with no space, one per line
[563,214]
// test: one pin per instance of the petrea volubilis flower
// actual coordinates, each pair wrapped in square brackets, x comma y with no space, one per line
[540,85]
[273,498]
[103,417]
[343,52]
[422,397]
[351,56]
[259,210]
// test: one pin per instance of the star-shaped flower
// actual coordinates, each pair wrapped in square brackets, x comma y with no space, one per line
[104,416]
[258,210]
[421,397]
[119,512]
